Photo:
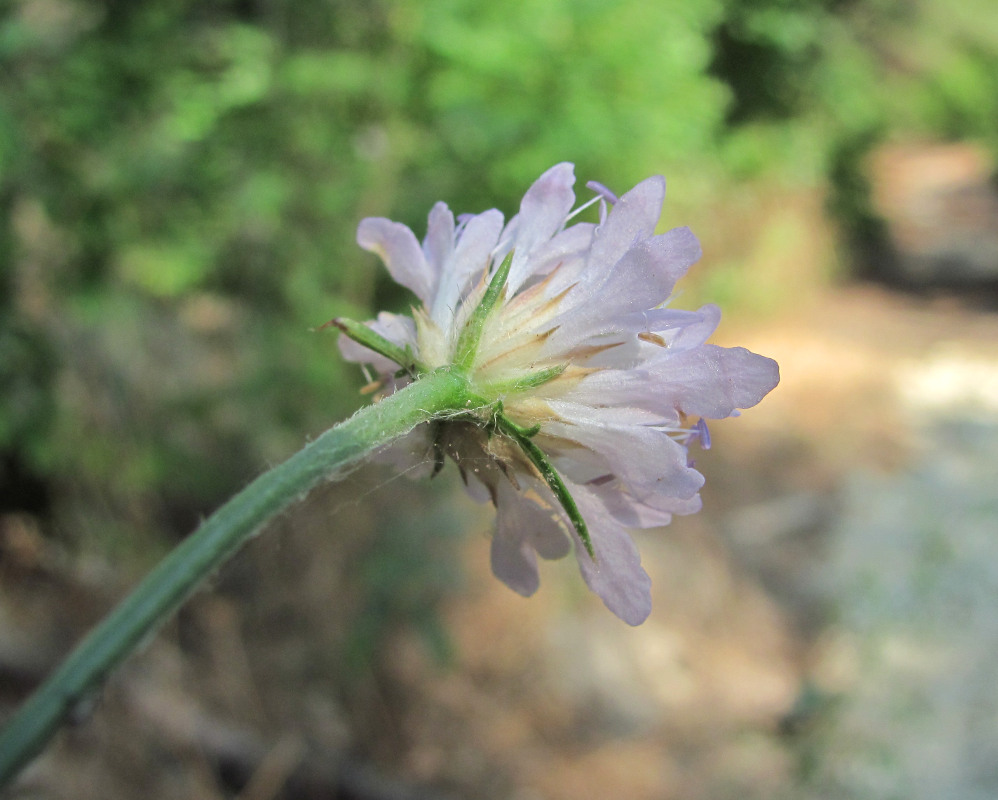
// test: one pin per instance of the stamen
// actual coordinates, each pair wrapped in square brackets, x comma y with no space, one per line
[602,191]
[700,434]
[703,433]
[583,207]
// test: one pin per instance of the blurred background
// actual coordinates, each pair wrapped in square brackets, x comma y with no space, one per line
[180,183]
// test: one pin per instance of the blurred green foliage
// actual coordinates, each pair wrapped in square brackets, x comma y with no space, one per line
[180,182]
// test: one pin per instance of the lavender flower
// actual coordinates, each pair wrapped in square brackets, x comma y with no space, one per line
[587,380]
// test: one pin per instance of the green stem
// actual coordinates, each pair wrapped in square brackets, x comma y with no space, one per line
[177,575]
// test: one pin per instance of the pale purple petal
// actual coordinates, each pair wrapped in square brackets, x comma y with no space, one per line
[681,330]
[477,490]
[633,218]
[550,536]
[567,252]
[616,387]
[655,516]
[654,513]
[646,274]
[438,246]
[514,561]
[543,211]
[399,249]
[643,278]
[525,524]
[466,264]
[661,320]
[478,239]
[616,574]
[647,460]
[711,381]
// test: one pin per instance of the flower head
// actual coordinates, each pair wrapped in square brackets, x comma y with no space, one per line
[589,388]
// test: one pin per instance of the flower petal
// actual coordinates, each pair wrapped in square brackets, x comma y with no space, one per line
[618,387]
[438,246]
[514,562]
[468,260]
[641,279]
[616,574]
[680,330]
[526,522]
[646,274]
[711,381]
[632,219]
[655,512]
[567,252]
[646,460]
[399,249]
[543,211]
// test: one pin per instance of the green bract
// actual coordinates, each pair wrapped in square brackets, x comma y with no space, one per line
[490,415]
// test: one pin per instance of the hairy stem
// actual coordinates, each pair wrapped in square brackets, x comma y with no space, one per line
[179,573]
